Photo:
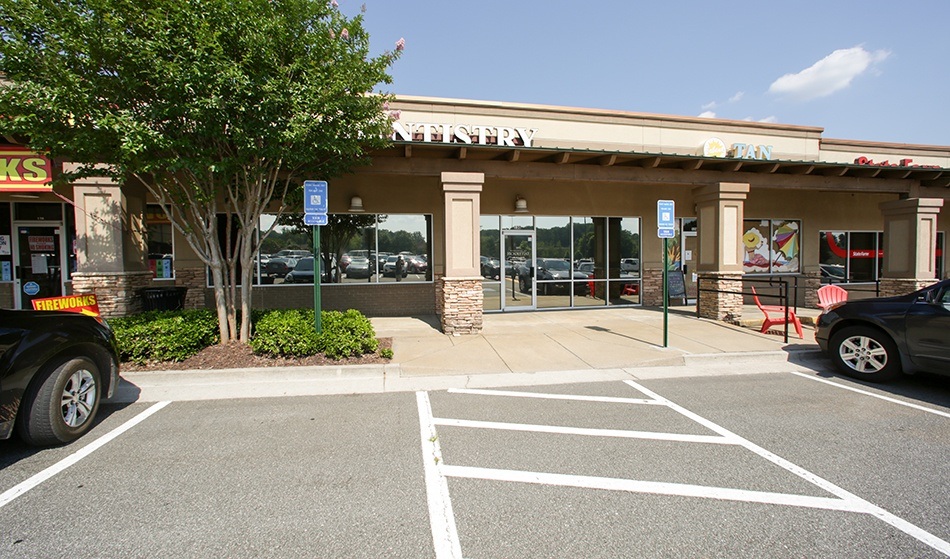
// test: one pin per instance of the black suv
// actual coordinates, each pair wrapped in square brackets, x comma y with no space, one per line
[55,367]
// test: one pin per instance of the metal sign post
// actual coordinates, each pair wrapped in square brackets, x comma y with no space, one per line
[315,215]
[666,229]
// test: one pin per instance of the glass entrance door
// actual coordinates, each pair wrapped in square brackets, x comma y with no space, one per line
[38,264]
[518,279]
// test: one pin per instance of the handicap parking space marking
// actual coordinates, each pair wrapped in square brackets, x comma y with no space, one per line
[445,534]
[9,495]
[872,394]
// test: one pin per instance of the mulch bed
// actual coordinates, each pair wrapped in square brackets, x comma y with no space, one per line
[235,355]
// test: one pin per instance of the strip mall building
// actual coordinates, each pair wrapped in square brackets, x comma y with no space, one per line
[500,207]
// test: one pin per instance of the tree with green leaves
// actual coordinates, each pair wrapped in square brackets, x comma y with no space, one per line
[215,106]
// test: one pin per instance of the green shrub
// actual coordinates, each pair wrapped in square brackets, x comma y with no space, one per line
[165,335]
[282,333]
[386,353]
[285,333]
[347,334]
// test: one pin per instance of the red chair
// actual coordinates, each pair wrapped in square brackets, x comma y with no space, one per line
[630,289]
[831,294]
[775,316]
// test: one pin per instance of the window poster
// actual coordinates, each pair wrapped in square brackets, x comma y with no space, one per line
[5,245]
[39,263]
[5,272]
[771,246]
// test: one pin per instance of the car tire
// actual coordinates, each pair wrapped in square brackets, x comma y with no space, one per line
[63,405]
[865,353]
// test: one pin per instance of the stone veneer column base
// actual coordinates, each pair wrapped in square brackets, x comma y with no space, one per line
[651,287]
[461,305]
[812,282]
[118,293]
[892,287]
[720,297]
[195,280]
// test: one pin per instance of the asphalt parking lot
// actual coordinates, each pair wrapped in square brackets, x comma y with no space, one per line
[778,465]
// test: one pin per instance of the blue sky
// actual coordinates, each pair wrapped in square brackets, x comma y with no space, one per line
[871,70]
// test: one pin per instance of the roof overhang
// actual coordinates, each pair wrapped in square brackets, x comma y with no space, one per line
[927,176]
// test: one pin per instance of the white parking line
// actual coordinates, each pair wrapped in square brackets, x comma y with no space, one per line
[867,507]
[656,488]
[442,518]
[872,394]
[578,398]
[561,430]
[10,494]
[445,536]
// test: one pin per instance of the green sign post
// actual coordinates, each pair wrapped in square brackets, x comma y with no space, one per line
[665,229]
[315,214]
[317,278]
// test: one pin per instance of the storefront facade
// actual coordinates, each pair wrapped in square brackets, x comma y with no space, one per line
[498,207]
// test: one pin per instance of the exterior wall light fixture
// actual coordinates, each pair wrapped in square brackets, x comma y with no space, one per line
[521,205]
[356,204]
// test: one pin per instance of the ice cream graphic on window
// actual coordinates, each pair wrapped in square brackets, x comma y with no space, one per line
[756,251]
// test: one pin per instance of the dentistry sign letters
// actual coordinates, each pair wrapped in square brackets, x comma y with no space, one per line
[477,134]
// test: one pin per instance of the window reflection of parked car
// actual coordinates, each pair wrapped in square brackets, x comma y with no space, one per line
[303,272]
[629,264]
[875,339]
[586,268]
[360,267]
[548,269]
[418,264]
[834,272]
[277,267]
[491,268]
[55,369]
[389,267]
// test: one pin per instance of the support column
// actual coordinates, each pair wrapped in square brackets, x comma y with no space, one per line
[910,243]
[111,246]
[719,209]
[460,288]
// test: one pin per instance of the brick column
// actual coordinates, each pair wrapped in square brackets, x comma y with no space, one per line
[110,239]
[651,287]
[720,209]
[195,280]
[460,289]
[910,243]
[812,282]
[118,293]
[720,297]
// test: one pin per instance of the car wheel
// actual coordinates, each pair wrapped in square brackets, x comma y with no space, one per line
[61,407]
[865,353]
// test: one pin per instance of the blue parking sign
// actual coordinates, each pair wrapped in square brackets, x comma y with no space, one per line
[315,197]
[665,210]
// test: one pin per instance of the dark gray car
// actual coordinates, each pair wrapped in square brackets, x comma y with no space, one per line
[876,339]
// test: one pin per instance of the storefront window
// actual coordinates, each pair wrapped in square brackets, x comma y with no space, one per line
[6,243]
[623,242]
[939,255]
[850,256]
[161,248]
[490,262]
[354,248]
[771,246]
[581,261]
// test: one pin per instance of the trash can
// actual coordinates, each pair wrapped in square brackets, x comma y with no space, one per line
[163,298]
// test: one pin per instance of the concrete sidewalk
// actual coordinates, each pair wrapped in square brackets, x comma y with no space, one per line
[528,348]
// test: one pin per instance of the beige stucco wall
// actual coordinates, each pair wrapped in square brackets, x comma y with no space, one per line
[566,127]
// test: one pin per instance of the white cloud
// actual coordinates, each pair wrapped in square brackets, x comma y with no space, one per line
[737,97]
[769,119]
[709,105]
[707,114]
[830,74]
